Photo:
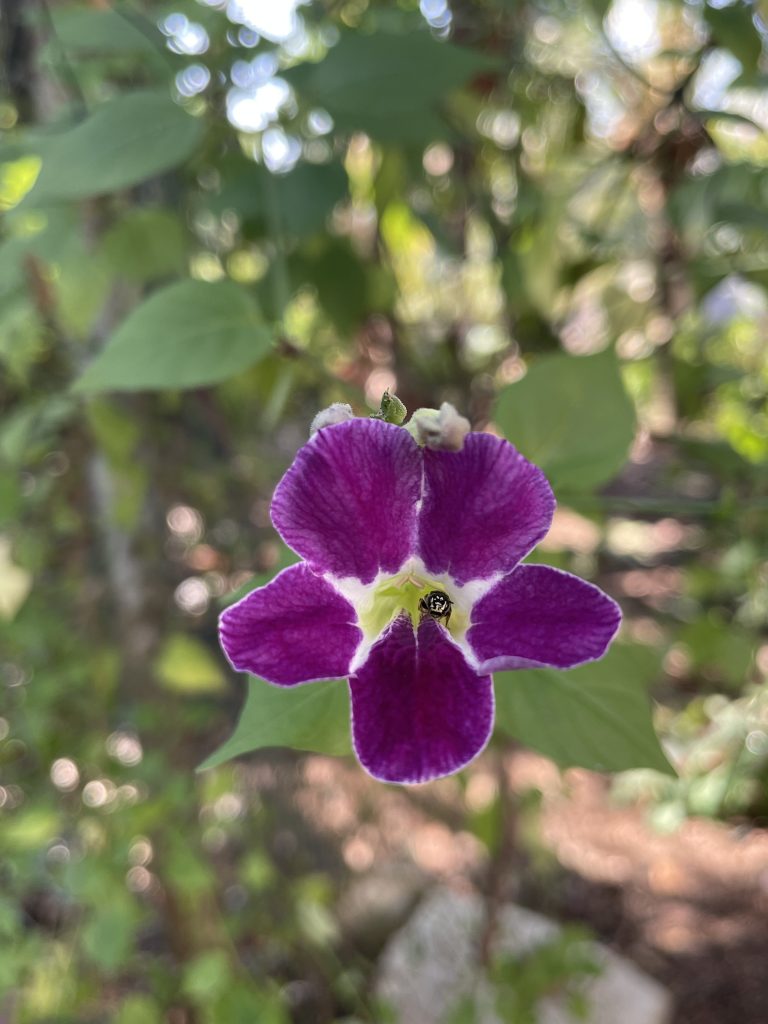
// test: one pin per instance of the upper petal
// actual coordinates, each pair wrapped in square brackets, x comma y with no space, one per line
[484,508]
[348,502]
[539,616]
[419,710]
[296,629]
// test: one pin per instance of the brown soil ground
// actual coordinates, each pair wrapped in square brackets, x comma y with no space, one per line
[690,907]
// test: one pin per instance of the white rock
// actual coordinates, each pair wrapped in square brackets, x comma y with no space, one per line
[377,903]
[429,965]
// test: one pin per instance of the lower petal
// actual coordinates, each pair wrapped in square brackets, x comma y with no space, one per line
[539,616]
[294,630]
[419,711]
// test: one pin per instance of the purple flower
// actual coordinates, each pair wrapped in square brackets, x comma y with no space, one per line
[412,587]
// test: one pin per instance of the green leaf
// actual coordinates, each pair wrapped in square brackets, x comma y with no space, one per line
[391,86]
[22,343]
[130,138]
[207,976]
[241,1004]
[13,252]
[15,583]
[139,1009]
[148,243]
[596,716]
[28,830]
[571,416]
[313,717]
[11,500]
[53,241]
[187,335]
[465,1011]
[82,285]
[339,276]
[107,937]
[533,266]
[303,199]
[187,666]
[83,31]
[718,648]
[26,432]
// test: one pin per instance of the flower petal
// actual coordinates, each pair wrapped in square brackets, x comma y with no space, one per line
[418,710]
[348,502]
[296,629]
[484,508]
[539,616]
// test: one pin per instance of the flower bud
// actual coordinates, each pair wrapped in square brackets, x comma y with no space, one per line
[391,410]
[339,412]
[443,428]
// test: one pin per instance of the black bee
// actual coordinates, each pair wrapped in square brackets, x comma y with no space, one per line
[437,604]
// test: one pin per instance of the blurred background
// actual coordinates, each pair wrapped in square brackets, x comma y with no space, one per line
[219,216]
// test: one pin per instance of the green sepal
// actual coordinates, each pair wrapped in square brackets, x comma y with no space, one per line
[391,410]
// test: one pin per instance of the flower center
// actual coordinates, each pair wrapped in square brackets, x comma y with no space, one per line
[417,596]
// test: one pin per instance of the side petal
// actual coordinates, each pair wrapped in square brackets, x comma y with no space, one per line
[294,630]
[539,616]
[418,710]
[484,508]
[348,503]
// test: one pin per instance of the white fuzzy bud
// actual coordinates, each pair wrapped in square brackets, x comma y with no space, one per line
[339,412]
[443,428]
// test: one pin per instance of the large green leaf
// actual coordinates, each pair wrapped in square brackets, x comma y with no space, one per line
[314,717]
[139,1009]
[91,30]
[571,416]
[596,716]
[148,243]
[125,141]
[299,201]
[107,937]
[391,86]
[347,288]
[186,665]
[189,334]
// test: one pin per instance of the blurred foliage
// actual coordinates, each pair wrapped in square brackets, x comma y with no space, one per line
[558,968]
[219,218]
